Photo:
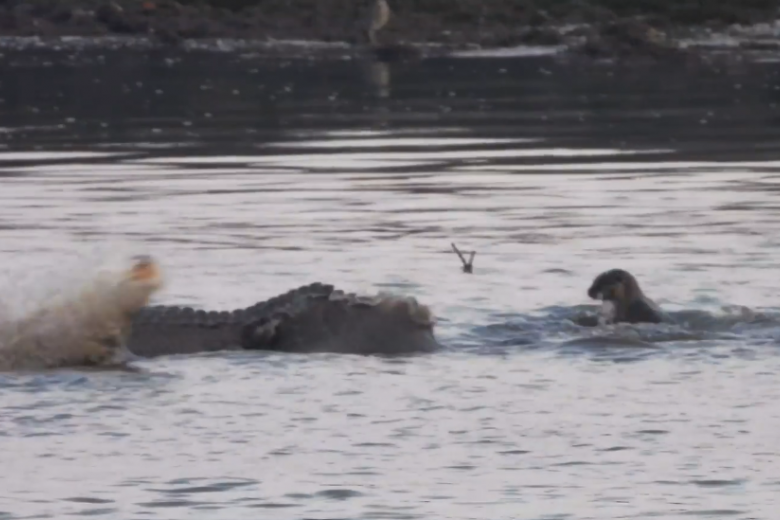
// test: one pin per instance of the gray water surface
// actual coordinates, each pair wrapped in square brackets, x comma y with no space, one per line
[247,178]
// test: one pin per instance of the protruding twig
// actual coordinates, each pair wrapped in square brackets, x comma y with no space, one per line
[468,267]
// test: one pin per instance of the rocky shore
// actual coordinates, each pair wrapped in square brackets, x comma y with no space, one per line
[594,28]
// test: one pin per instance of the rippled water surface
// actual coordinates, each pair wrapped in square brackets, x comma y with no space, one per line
[248,177]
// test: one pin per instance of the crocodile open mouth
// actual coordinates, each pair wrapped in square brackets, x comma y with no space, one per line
[145,269]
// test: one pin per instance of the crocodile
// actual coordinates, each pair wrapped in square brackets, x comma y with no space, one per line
[308,319]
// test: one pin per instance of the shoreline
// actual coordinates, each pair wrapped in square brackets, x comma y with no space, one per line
[506,28]
[746,43]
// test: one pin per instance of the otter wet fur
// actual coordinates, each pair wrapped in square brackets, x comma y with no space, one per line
[621,289]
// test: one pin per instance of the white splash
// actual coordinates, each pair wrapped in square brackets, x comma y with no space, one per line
[74,318]
[606,312]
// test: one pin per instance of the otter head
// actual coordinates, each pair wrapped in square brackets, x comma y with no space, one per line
[615,285]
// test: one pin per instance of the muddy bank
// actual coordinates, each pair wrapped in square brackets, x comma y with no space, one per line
[601,27]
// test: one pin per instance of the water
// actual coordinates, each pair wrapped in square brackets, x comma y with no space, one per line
[247,177]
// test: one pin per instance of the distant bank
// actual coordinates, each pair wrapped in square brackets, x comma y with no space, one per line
[596,28]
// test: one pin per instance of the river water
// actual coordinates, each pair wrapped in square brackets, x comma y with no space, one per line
[248,176]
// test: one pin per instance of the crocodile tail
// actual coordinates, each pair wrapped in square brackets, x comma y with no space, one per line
[160,331]
[347,324]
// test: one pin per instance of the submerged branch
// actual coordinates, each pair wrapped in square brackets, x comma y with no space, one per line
[468,267]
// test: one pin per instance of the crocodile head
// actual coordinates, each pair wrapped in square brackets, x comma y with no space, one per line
[106,342]
[138,283]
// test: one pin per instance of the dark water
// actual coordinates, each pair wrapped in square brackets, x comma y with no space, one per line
[250,176]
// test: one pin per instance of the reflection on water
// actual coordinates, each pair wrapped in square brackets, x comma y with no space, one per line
[249,177]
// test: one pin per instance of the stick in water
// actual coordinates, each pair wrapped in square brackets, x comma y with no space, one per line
[468,267]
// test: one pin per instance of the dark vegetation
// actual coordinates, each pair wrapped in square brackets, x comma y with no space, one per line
[680,11]
[456,22]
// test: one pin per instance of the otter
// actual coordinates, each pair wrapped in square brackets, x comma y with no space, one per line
[89,328]
[630,305]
